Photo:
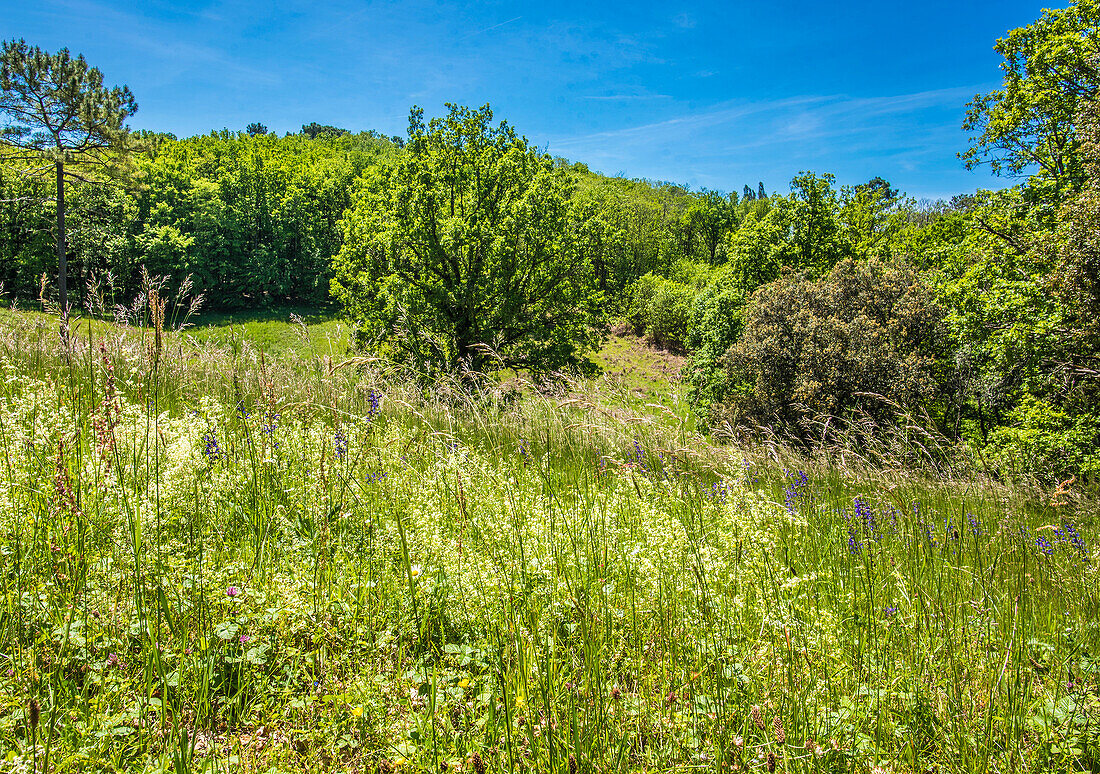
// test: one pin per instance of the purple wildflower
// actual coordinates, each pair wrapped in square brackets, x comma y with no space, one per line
[212,450]
[866,516]
[855,548]
[975,525]
[1073,537]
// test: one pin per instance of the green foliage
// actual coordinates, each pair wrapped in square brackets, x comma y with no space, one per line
[314,130]
[287,566]
[256,217]
[63,121]
[871,218]
[717,318]
[252,219]
[865,338]
[1045,435]
[661,309]
[806,231]
[469,242]
[1028,124]
[817,241]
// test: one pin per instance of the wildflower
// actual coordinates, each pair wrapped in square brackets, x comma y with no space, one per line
[375,401]
[244,638]
[212,450]
[232,591]
[415,570]
[464,682]
[865,515]
[757,717]
[340,443]
[112,659]
[272,421]
[357,712]
[855,548]
[477,764]
[1044,546]
[1073,537]
[790,494]
[889,611]
[975,525]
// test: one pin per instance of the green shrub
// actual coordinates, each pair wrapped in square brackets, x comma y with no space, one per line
[1042,438]
[661,309]
[717,317]
[865,338]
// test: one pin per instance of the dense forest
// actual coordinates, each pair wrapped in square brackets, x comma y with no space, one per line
[811,311]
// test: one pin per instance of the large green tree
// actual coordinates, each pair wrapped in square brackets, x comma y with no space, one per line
[464,253]
[1027,125]
[61,119]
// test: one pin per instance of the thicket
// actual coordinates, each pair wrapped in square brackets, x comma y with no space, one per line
[997,345]
[252,219]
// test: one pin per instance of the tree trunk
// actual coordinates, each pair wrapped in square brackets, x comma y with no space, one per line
[62,280]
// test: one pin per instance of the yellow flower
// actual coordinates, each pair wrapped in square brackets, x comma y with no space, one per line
[464,682]
[357,712]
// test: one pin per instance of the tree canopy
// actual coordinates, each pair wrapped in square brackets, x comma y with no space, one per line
[1027,125]
[61,118]
[465,253]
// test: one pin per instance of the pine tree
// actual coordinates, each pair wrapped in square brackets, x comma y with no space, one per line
[61,119]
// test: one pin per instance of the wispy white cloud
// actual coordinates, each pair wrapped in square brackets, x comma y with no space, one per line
[624,97]
[487,29]
[823,132]
[157,39]
[671,129]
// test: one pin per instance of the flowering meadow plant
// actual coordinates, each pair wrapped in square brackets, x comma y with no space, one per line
[293,566]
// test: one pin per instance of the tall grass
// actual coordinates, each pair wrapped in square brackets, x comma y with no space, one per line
[214,559]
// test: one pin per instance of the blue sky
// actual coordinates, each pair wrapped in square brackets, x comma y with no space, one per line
[710,95]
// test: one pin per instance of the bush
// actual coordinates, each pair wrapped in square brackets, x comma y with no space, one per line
[661,309]
[865,338]
[1047,440]
[717,318]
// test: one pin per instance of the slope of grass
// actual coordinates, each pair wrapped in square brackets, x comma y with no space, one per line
[215,560]
[304,332]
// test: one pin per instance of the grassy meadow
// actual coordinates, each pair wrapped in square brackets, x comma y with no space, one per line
[242,549]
